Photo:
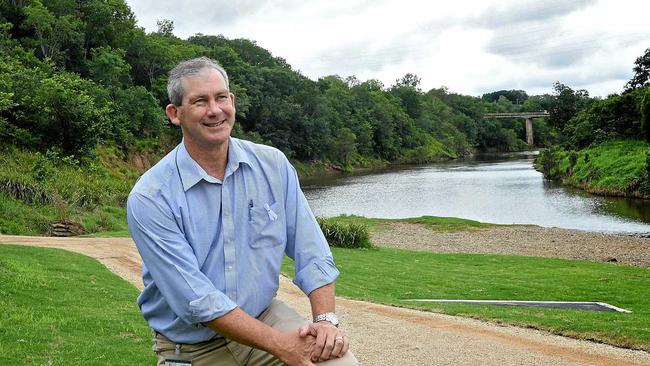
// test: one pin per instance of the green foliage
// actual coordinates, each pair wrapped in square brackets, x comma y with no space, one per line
[565,104]
[136,115]
[641,76]
[108,67]
[435,223]
[493,136]
[617,167]
[618,116]
[62,308]
[54,35]
[345,235]
[513,96]
[645,114]
[36,189]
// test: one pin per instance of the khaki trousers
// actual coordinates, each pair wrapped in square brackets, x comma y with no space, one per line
[224,352]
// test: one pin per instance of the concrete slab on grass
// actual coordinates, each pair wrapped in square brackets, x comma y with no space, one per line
[580,305]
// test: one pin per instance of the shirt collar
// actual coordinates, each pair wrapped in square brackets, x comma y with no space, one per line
[191,172]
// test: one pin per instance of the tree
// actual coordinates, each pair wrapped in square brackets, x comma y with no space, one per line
[565,104]
[343,145]
[514,96]
[55,111]
[165,27]
[410,97]
[645,113]
[641,76]
[136,114]
[410,80]
[150,57]
[107,23]
[108,67]
[52,32]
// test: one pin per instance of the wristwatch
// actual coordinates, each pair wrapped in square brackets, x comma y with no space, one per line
[328,317]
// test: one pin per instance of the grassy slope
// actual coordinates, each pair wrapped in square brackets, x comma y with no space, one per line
[432,222]
[63,308]
[388,275]
[36,190]
[612,168]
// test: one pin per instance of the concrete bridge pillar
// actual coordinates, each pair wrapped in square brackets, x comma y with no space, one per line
[529,131]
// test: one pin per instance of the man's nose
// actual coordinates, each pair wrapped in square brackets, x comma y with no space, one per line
[213,107]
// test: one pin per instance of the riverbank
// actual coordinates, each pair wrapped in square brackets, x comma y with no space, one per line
[525,240]
[614,168]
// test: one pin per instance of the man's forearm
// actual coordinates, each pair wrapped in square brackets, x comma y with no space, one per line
[331,342]
[243,328]
[322,300]
[290,347]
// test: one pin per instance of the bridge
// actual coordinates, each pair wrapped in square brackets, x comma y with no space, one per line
[528,116]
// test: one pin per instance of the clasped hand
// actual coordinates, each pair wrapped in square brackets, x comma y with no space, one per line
[331,342]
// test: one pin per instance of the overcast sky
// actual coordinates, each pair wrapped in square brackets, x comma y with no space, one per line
[471,47]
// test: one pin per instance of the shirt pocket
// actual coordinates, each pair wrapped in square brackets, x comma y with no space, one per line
[267,226]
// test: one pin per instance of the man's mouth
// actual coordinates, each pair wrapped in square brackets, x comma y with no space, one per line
[213,124]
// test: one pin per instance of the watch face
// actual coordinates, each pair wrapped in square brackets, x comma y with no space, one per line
[333,319]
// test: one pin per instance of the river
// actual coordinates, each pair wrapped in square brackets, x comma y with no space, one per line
[501,189]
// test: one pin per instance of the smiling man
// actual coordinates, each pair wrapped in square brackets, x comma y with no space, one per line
[212,222]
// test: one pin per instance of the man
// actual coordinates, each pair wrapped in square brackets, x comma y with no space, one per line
[212,221]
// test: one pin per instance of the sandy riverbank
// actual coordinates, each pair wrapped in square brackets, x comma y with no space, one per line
[519,240]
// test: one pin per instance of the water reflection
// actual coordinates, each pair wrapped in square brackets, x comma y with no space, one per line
[498,189]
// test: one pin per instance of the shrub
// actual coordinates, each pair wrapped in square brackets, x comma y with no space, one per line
[549,161]
[343,235]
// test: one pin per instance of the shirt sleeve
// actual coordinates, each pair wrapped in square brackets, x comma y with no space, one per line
[306,244]
[172,264]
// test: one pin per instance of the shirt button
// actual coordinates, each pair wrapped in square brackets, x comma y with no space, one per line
[229,268]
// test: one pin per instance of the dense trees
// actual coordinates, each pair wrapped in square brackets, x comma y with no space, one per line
[74,74]
[616,117]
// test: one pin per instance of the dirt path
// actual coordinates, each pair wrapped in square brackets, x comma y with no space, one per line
[383,335]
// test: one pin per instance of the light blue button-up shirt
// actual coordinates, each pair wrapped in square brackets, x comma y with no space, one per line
[209,246]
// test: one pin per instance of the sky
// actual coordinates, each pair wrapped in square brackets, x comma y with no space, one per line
[470,47]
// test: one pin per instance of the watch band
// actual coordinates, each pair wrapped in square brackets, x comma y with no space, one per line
[328,317]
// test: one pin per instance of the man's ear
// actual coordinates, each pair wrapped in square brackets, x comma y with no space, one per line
[172,114]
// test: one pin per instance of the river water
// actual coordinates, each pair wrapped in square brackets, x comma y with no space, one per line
[502,189]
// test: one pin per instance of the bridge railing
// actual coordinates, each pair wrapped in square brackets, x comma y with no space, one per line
[517,115]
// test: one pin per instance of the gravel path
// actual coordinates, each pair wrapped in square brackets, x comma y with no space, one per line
[383,335]
[519,240]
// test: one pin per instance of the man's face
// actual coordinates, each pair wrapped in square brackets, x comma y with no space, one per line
[207,113]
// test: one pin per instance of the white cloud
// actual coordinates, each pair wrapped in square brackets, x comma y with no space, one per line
[471,47]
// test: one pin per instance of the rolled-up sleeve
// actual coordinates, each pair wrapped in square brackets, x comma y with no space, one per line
[306,244]
[170,260]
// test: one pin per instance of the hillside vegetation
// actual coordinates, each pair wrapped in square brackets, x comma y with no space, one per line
[614,168]
[603,145]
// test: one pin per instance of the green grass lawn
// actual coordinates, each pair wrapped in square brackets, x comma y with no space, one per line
[387,275]
[433,222]
[63,308]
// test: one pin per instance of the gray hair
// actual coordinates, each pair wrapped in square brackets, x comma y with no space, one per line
[190,68]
